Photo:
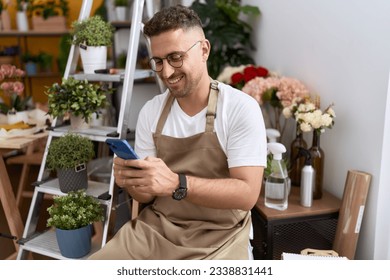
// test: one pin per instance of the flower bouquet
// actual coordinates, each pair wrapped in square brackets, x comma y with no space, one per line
[12,89]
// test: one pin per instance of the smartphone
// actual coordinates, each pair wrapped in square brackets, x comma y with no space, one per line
[122,148]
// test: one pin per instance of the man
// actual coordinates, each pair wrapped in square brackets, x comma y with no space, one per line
[204,150]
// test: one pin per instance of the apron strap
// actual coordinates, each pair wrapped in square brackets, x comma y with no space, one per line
[164,114]
[212,106]
[210,115]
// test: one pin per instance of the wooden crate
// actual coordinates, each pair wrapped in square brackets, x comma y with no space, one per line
[55,23]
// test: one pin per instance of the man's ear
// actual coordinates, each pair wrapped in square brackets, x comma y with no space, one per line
[205,49]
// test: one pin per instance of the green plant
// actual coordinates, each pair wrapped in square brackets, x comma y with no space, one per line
[228,34]
[45,61]
[78,97]
[48,9]
[121,3]
[64,48]
[69,151]
[74,210]
[28,57]
[93,31]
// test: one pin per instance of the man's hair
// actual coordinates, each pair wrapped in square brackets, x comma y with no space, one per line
[172,18]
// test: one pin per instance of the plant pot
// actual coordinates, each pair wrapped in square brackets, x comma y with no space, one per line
[54,23]
[78,123]
[74,243]
[120,13]
[21,21]
[73,179]
[93,58]
[31,68]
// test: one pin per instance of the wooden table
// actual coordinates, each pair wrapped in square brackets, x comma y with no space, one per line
[295,228]
[7,196]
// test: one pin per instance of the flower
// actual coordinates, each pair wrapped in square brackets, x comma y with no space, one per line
[279,93]
[309,117]
[239,75]
[12,88]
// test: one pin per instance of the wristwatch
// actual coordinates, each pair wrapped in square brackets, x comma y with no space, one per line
[181,191]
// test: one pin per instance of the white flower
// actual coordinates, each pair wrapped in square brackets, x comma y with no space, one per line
[228,71]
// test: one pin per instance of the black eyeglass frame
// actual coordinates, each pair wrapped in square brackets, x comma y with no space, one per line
[170,59]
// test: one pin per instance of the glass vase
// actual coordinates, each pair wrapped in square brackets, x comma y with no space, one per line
[318,158]
[296,164]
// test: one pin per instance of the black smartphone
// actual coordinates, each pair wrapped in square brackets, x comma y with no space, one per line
[122,148]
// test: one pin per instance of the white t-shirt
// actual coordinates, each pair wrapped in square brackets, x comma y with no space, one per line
[239,126]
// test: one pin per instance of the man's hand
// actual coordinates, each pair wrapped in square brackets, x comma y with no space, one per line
[145,179]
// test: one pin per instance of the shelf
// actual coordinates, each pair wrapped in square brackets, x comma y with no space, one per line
[94,189]
[32,33]
[139,74]
[95,133]
[46,244]
[121,24]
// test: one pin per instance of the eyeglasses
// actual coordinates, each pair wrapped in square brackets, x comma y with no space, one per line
[174,59]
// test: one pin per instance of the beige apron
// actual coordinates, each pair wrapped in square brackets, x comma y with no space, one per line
[170,229]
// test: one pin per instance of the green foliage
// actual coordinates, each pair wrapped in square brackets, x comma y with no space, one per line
[28,57]
[64,48]
[48,9]
[228,34]
[69,151]
[78,97]
[74,210]
[93,31]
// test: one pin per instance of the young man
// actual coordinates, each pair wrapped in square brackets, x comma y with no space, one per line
[203,150]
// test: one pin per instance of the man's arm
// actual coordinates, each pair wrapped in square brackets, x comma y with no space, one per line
[241,191]
[154,178]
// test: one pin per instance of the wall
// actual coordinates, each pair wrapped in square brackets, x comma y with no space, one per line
[340,50]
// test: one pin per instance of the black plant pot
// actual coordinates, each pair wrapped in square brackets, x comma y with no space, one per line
[73,179]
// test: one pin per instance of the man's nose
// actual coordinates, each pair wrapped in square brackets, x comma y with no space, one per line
[167,70]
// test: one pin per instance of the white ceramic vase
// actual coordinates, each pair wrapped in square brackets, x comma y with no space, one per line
[93,58]
[78,123]
[21,21]
[120,13]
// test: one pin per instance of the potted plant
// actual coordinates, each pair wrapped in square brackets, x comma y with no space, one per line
[93,35]
[72,216]
[30,62]
[120,9]
[228,34]
[45,61]
[21,15]
[79,98]
[49,15]
[69,155]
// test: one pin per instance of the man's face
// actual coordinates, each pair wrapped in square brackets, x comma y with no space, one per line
[188,46]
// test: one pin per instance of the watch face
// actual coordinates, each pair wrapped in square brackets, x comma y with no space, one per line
[179,194]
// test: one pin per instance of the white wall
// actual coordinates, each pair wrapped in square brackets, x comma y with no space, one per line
[341,51]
